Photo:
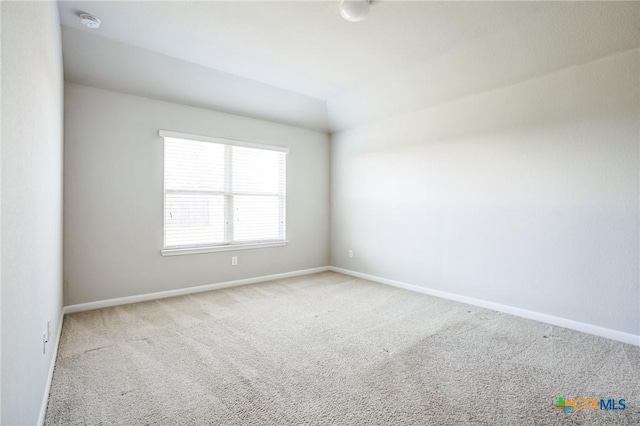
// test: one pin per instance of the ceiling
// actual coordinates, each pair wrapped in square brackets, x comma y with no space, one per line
[300,63]
[303,46]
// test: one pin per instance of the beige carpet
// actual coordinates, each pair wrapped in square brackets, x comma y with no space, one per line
[330,349]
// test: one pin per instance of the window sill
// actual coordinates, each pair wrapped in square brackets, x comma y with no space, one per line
[212,249]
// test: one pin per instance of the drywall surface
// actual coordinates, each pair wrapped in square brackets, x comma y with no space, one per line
[562,34]
[0,216]
[95,61]
[525,196]
[32,96]
[114,197]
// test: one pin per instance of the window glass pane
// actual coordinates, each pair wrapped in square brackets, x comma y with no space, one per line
[219,194]
[257,218]
[193,165]
[194,219]
[257,170]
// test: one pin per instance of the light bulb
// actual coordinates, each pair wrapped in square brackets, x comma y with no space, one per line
[354,10]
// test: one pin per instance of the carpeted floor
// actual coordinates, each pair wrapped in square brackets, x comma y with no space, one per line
[330,349]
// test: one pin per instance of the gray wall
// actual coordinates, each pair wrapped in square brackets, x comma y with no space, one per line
[526,195]
[114,192]
[31,167]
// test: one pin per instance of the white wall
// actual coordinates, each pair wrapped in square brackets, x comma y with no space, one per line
[113,197]
[526,195]
[0,215]
[32,95]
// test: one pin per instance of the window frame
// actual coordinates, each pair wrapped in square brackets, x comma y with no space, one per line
[194,249]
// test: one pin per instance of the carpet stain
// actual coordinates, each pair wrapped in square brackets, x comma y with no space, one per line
[97,349]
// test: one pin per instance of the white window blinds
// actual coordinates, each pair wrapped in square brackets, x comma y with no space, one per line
[219,192]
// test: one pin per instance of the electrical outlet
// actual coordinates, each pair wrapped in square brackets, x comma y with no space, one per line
[234,260]
[350,254]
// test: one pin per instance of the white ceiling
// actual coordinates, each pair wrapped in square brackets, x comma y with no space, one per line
[106,64]
[303,46]
[300,63]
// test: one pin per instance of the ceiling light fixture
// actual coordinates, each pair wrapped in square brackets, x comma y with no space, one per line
[90,21]
[354,10]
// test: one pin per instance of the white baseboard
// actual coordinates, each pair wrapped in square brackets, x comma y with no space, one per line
[54,356]
[537,316]
[189,290]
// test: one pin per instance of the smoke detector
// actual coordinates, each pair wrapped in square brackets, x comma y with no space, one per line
[90,21]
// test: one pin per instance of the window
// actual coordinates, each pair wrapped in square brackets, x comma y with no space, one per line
[221,194]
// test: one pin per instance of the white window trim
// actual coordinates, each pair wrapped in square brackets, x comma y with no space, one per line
[178,251]
[213,249]
[224,141]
